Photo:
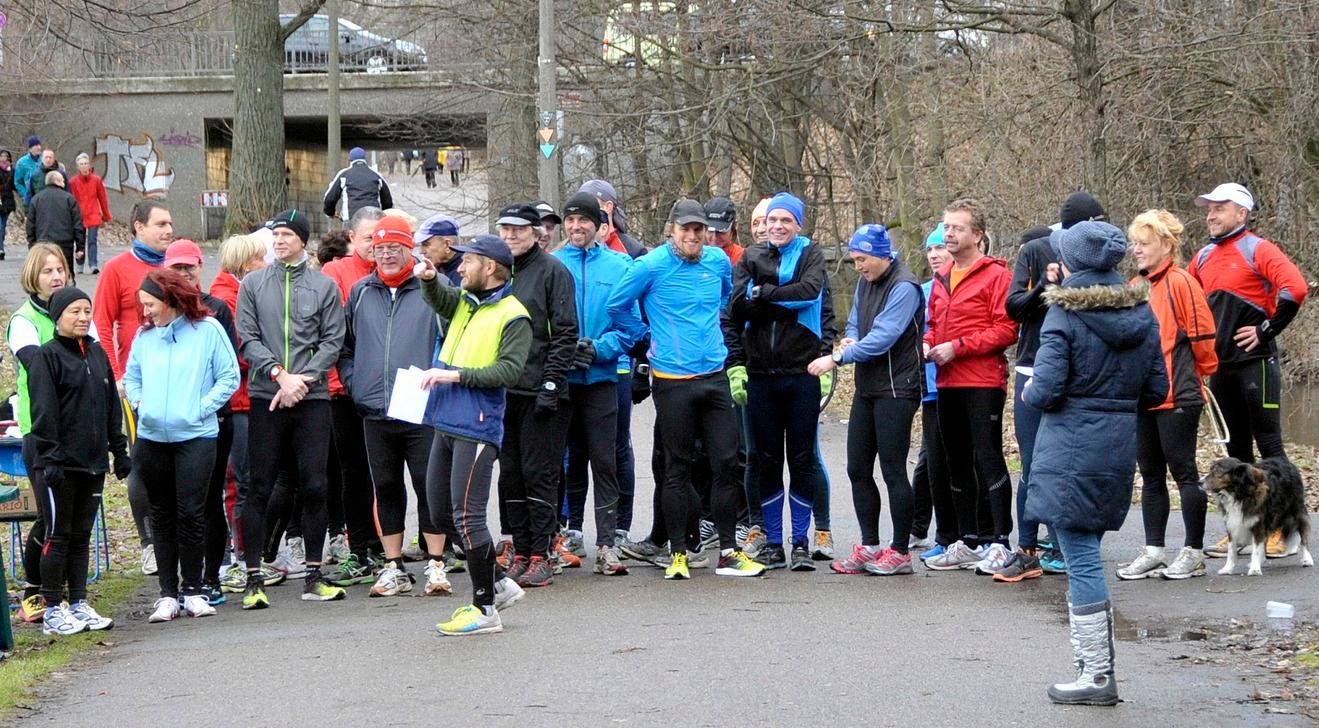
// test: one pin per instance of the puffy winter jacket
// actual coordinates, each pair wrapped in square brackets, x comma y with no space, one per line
[356,186]
[974,318]
[1099,360]
[291,316]
[682,301]
[178,377]
[595,272]
[386,331]
[780,332]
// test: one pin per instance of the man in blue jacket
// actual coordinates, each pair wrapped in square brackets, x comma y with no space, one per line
[593,381]
[682,287]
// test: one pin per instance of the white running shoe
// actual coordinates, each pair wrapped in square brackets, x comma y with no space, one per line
[286,564]
[197,606]
[1189,563]
[58,620]
[507,593]
[995,559]
[336,550]
[83,612]
[956,556]
[391,582]
[437,583]
[298,548]
[166,609]
[149,560]
[1149,564]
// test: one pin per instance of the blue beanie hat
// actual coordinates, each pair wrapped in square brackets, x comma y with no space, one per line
[785,201]
[935,237]
[1092,245]
[33,141]
[871,240]
[356,153]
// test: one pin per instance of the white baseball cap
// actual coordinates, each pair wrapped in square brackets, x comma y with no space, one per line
[1228,192]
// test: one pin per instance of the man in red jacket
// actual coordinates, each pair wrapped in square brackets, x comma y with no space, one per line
[88,189]
[969,331]
[118,315]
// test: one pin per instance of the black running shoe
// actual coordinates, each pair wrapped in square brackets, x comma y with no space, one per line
[772,557]
[801,558]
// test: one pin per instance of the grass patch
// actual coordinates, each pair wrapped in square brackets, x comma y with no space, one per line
[1308,659]
[36,656]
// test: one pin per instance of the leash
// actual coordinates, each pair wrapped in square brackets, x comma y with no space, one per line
[1217,423]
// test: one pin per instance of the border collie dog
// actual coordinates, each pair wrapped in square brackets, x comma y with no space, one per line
[1257,500]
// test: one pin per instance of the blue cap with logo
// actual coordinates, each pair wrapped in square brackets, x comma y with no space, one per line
[871,240]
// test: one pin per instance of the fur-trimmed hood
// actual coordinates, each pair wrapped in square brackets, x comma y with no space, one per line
[1117,313]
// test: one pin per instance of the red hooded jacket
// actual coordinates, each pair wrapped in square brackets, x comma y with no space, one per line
[974,317]
[225,288]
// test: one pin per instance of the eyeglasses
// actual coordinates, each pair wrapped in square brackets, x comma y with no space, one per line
[388,249]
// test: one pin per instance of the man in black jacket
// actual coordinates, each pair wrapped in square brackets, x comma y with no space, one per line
[773,330]
[390,327]
[55,217]
[356,186]
[536,421]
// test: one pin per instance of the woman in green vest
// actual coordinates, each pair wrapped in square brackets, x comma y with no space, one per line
[44,272]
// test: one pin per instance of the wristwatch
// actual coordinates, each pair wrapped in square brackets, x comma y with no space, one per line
[275,371]
[550,387]
[838,356]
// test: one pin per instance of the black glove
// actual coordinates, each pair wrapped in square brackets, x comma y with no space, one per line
[53,476]
[123,465]
[761,292]
[641,384]
[639,350]
[547,402]
[584,357]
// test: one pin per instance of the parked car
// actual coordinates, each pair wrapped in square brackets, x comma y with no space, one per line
[307,49]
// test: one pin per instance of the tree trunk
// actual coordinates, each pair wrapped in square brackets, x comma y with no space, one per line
[1090,81]
[256,174]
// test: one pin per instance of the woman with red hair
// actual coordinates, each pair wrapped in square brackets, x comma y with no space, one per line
[181,371]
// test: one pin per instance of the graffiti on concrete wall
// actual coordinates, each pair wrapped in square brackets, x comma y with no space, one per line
[133,165]
[180,139]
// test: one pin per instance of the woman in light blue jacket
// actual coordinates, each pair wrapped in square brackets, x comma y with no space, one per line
[181,371]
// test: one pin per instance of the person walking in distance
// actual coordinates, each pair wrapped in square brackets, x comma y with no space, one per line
[484,352]
[182,370]
[75,427]
[54,217]
[290,329]
[117,311]
[968,334]
[354,187]
[682,287]
[883,340]
[1166,433]
[88,189]
[8,203]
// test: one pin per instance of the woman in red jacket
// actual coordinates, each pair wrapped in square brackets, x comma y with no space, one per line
[239,255]
[1166,433]
[88,189]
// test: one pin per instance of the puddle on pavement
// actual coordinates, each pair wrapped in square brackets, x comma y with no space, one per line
[1130,630]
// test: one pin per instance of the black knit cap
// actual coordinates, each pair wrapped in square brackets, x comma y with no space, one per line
[293,220]
[63,298]
[1079,207]
[586,205]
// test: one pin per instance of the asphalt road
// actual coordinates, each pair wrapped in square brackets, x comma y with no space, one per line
[804,649]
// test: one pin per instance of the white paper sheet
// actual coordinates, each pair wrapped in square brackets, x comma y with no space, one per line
[408,400]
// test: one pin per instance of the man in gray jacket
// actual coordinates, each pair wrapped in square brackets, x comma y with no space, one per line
[291,326]
[391,327]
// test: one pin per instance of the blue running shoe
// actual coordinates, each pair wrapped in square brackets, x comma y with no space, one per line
[938,550]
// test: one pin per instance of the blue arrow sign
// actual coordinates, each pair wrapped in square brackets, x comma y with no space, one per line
[547,150]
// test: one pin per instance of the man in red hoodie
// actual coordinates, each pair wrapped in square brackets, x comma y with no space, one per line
[118,315]
[969,331]
[351,504]
[88,189]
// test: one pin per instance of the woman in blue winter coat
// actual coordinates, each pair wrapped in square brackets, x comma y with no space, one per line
[181,371]
[1099,361]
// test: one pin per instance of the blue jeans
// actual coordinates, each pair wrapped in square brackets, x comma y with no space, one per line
[1027,423]
[92,258]
[1085,572]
